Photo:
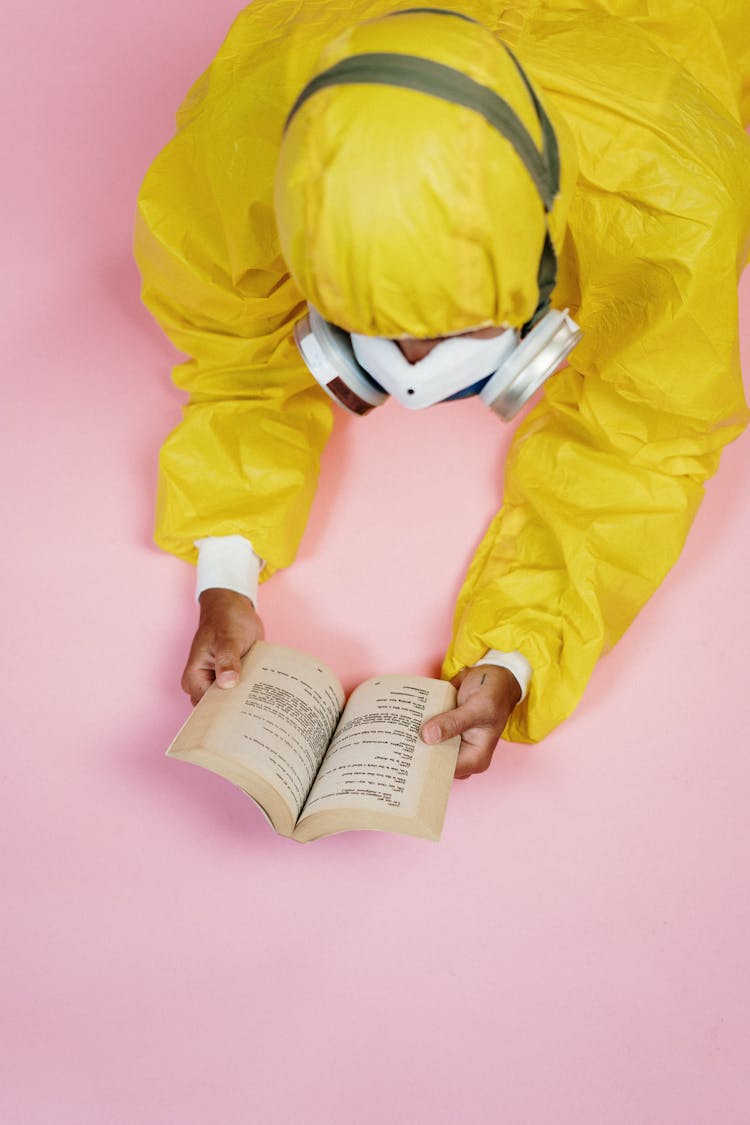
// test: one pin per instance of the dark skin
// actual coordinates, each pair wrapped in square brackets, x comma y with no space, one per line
[486,694]
[229,625]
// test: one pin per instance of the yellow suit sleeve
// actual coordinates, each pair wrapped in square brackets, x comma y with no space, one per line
[601,490]
[244,460]
[606,474]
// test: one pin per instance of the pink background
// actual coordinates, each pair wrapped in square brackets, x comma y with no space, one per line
[574,951]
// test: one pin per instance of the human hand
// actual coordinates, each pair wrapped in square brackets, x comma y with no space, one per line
[227,628]
[486,696]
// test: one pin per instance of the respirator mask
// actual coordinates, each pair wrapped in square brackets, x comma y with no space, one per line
[360,372]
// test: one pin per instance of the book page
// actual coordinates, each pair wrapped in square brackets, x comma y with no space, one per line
[274,725]
[288,719]
[376,759]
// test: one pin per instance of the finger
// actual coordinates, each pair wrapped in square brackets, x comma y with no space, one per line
[473,759]
[196,680]
[477,711]
[206,663]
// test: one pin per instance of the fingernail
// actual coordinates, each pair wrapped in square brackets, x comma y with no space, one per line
[431,734]
[227,679]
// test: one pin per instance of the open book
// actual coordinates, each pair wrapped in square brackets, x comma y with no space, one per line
[315,766]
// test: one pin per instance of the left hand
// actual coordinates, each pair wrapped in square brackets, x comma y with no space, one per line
[486,696]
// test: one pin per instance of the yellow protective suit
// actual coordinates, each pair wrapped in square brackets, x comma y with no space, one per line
[606,474]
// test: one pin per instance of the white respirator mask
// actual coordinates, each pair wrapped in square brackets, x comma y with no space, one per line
[360,372]
[449,368]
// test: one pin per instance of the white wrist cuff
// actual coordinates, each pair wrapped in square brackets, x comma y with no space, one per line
[515,662]
[227,562]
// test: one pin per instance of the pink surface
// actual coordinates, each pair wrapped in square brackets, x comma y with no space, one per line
[574,951]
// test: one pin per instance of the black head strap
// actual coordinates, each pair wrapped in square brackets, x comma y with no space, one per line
[432,12]
[426,76]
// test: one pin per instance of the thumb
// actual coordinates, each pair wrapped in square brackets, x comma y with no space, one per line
[454,722]
[227,666]
[432,732]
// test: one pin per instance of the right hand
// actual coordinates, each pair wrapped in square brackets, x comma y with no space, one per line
[227,629]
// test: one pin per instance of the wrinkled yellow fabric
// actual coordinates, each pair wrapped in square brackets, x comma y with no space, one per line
[449,224]
[606,474]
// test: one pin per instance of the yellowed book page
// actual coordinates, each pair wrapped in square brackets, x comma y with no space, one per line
[376,760]
[275,725]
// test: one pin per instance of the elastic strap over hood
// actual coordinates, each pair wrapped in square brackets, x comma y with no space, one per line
[344,215]
[428,77]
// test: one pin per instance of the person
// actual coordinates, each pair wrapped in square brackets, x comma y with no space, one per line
[411,236]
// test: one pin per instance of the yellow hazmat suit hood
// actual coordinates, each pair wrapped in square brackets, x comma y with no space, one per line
[402,213]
